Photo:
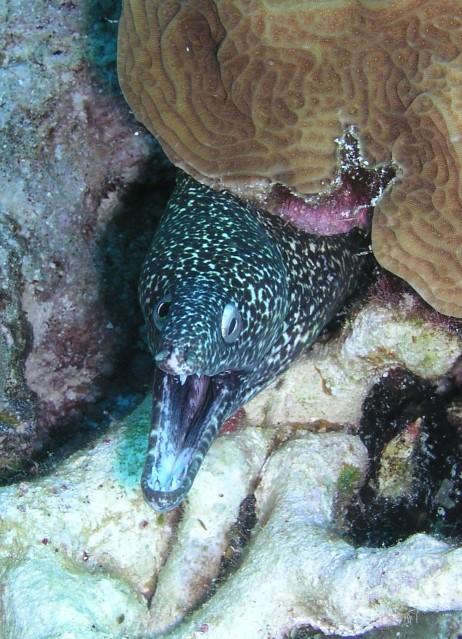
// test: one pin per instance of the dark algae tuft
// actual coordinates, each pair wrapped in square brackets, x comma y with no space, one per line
[412,432]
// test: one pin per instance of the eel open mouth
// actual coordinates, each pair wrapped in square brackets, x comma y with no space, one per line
[186,416]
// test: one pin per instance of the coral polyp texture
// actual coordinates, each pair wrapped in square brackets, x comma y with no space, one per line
[248,94]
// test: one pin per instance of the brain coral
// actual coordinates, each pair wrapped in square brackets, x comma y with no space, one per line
[255,92]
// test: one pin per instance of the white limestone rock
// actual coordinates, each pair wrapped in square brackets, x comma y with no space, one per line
[82,555]
[332,380]
[299,571]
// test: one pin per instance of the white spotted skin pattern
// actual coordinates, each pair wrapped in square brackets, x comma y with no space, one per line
[207,252]
[211,249]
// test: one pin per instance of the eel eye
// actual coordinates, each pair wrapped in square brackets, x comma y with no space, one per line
[231,323]
[162,310]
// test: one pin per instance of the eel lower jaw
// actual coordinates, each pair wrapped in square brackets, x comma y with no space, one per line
[186,416]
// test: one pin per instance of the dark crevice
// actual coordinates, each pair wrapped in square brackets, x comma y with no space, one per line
[119,254]
[412,429]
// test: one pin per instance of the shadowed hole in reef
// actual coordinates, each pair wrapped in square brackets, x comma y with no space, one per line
[412,429]
[119,255]
[121,251]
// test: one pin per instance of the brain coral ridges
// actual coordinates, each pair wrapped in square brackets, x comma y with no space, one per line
[249,93]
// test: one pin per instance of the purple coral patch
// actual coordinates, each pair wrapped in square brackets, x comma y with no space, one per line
[348,205]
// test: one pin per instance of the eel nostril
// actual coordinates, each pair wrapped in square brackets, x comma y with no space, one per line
[175,361]
[161,356]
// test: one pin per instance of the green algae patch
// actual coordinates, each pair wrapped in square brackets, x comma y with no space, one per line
[348,480]
[7,419]
[131,449]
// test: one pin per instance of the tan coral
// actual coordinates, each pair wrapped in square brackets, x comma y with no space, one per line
[254,92]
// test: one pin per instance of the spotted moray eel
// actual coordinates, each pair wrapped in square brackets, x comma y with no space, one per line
[231,296]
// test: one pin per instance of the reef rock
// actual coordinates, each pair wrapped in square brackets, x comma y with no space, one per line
[259,547]
[67,155]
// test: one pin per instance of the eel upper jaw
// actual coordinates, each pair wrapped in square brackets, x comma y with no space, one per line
[186,416]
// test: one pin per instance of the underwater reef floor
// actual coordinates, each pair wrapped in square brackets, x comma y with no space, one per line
[261,547]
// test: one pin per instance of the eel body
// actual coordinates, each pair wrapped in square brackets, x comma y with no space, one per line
[231,296]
